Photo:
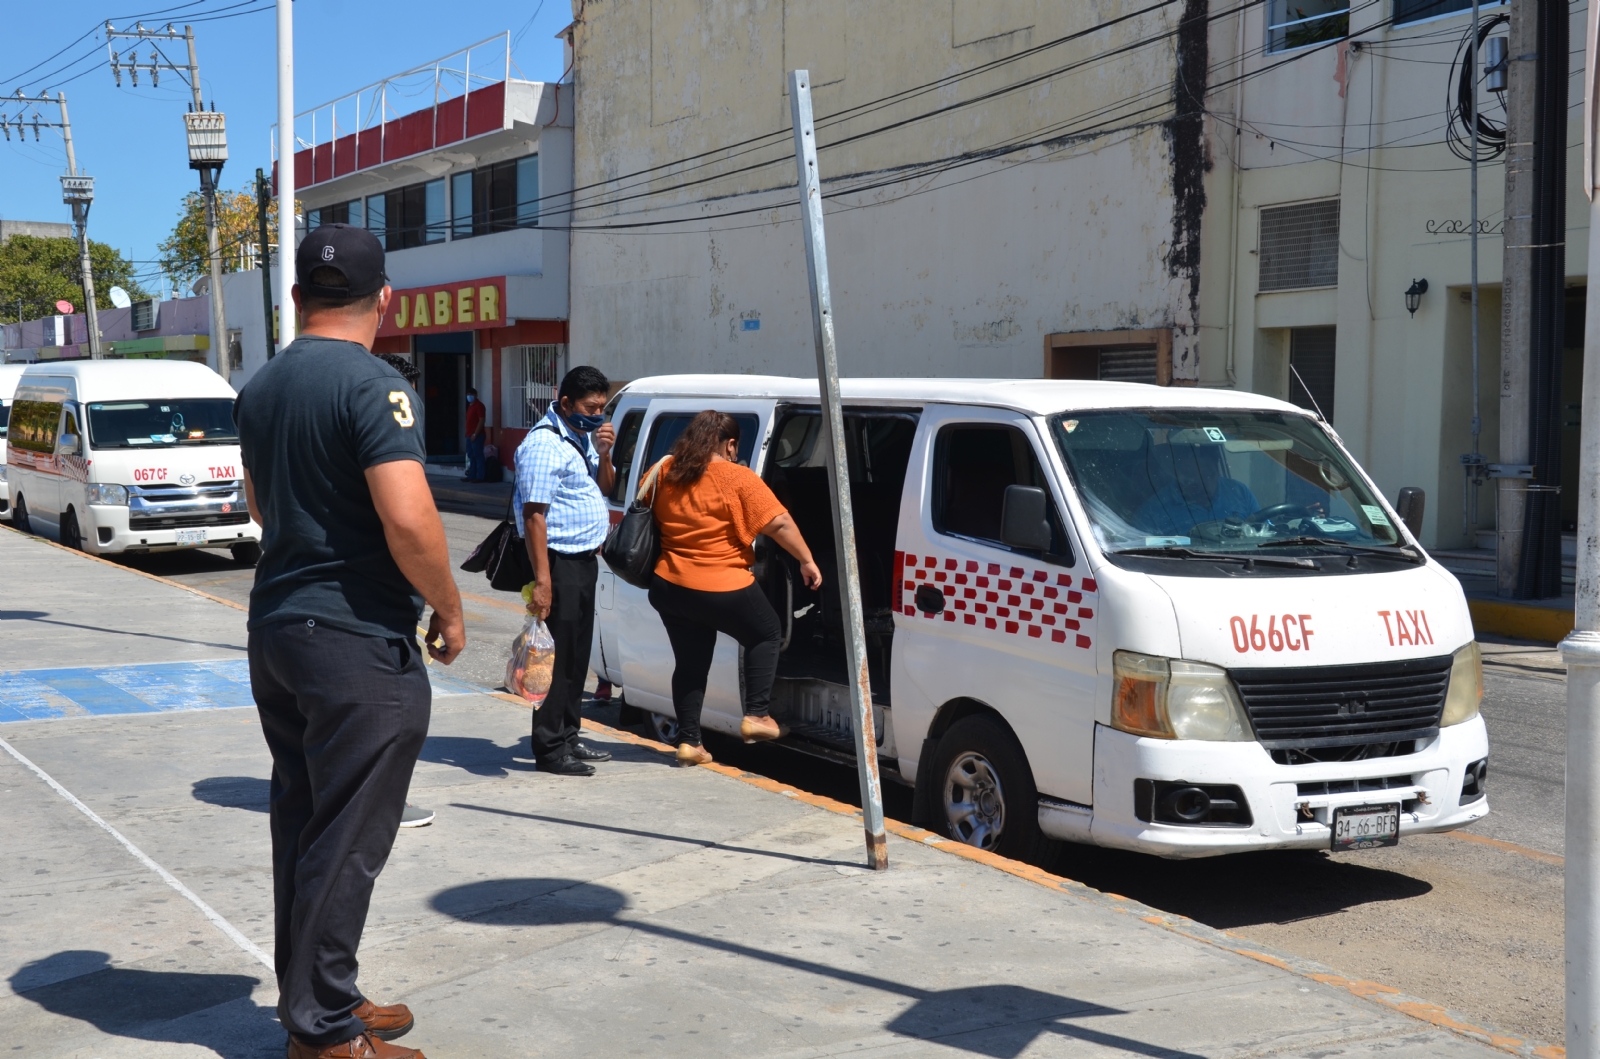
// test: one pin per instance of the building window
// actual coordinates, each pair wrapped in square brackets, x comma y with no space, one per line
[1296,23]
[235,349]
[1311,358]
[495,198]
[1416,10]
[535,374]
[338,213]
[1300,246]
[1120,356]
[410,216]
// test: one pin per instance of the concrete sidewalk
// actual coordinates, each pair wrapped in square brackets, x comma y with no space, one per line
[648,911]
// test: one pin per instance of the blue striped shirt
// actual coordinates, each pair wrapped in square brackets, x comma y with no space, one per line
[551,470]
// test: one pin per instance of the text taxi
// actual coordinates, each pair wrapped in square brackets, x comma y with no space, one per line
[128,456]
[1181,621]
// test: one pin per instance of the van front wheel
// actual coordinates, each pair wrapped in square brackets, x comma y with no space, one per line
[71,535]
[19,515]
[986,790]
[246,553]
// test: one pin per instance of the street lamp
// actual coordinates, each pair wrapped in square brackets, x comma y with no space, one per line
[1414,294]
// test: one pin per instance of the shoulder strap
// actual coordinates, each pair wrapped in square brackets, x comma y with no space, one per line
[547,425]
[648,482]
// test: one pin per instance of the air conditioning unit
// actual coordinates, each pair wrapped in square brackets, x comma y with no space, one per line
[146,315]
[57,330]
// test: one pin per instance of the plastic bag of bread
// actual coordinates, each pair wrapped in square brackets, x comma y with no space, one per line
[532,663]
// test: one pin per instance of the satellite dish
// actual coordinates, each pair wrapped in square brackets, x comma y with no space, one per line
[64,307]
[119,298]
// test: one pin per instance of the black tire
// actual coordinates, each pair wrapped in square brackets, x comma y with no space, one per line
[661,729]
[19,515]
[71,535]
[246,553]
[984,793]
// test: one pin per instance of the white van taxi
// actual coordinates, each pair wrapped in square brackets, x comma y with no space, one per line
[9,374]
[128,456]
[1181,621]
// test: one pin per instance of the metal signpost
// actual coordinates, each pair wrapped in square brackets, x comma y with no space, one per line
[287,323]
[844,530]
[263,203]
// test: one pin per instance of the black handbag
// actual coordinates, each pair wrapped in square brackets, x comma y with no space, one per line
[502,557]
[634,545]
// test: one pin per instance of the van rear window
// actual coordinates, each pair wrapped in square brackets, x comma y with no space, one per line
[162,423]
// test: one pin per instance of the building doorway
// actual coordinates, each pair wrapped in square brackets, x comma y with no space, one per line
[1311,363]
[443,359]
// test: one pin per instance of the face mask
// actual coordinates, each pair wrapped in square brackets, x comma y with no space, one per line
[470,398]
[587,424]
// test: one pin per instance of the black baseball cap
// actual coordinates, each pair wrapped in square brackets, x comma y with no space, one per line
[354,252]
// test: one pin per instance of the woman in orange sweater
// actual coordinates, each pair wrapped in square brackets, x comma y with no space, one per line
[710,510]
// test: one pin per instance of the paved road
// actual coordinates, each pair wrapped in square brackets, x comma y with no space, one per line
[1473,925]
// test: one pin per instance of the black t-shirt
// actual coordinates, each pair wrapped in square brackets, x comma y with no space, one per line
[310,423]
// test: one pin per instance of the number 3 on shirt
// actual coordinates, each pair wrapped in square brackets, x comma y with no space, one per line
[402,415]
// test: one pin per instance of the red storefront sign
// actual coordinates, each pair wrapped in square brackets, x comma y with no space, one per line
[469,305]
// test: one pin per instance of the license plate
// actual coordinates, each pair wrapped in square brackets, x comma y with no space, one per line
[1366,826]
[191,536]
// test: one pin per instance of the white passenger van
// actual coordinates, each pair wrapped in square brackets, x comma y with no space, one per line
[9,374]
[128,456]
[1181,621]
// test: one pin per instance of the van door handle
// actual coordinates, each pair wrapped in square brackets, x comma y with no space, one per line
[929,599]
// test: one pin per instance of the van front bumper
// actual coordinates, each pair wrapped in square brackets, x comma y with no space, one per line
[107,532]
[1291,806]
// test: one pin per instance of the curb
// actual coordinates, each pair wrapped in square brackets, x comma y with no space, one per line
[1520,620]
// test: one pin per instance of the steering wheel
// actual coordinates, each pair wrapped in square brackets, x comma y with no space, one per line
[1267,514]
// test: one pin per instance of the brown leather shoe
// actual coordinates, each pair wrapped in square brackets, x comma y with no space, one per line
[362,1047]
[689,755]
[385,1023]
[759,729]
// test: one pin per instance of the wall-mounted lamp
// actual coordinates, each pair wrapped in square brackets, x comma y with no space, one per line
[1414,294]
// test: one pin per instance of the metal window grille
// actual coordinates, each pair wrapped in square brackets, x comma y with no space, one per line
[146,314]
[535,374]
[1297,23]
[1300,246]
[1128,365]
[1311,355]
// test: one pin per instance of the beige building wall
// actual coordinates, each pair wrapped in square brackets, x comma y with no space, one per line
[960,270]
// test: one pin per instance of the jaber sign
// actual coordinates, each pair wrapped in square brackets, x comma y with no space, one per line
[464,306]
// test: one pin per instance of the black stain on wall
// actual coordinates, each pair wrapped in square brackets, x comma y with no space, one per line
[1187,149]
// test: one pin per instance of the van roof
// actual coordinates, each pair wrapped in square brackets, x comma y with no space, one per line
[100,380]
[1032,396]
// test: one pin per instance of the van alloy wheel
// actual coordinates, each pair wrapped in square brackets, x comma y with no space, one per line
[71,535]
[974,801]
[662,729]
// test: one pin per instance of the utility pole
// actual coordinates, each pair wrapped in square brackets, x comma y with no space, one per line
[844,527]
[287,323]
[1527,516]
[77,191]
[208,150]
[263,202]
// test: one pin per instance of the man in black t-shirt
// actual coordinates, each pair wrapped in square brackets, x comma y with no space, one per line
[352,546]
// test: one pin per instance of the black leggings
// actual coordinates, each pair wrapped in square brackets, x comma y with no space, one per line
[693,619]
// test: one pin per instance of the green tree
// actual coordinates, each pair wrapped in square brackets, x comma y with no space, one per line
[40,272]
[183,253]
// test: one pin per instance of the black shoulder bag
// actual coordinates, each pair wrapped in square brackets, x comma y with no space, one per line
[634,544]
[502,557]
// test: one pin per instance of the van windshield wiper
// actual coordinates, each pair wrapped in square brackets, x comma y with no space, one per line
[1388,552]
[1178,551]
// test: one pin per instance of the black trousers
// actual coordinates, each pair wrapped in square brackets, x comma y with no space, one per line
[344,716]
[693,619]
[571,621]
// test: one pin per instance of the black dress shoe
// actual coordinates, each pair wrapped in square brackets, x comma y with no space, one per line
[584,752]
[566,766]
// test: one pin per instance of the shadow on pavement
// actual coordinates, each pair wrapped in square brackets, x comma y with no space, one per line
[998,1020]
[234,792]
[144,1005]
[477,755]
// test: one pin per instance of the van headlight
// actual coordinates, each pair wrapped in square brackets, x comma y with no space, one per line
[1170,698]
[1466,686]
[108,494]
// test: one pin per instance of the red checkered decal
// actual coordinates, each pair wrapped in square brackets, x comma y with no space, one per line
[1039,602]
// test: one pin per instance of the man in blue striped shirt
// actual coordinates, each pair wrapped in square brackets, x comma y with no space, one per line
[562,477]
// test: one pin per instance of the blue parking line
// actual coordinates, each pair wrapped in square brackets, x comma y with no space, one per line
[99,691]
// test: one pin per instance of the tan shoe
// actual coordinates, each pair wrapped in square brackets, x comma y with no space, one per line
[759,729]
[385,1023]
[362,1047]
[693,755]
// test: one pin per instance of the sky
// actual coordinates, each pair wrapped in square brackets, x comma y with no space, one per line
[131,140]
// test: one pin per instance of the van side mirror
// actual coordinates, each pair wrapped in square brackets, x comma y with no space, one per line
[1022,519]
[69,443]
[1410,506]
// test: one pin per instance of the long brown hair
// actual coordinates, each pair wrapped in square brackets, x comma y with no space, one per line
[705,433]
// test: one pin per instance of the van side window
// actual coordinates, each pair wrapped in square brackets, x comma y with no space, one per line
[622,454]
[669,426]
[34,425]
[972,465]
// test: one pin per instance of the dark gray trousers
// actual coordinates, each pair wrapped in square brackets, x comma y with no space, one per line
[344,716]
[559,719]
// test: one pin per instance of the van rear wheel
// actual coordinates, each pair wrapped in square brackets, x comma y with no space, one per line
[986,790]
[661,729]
[71,535]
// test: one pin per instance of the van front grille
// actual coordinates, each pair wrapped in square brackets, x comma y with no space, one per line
[166,522]
[1325,706]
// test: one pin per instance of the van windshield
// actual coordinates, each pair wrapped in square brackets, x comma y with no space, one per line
[163,423]
[1217,481]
